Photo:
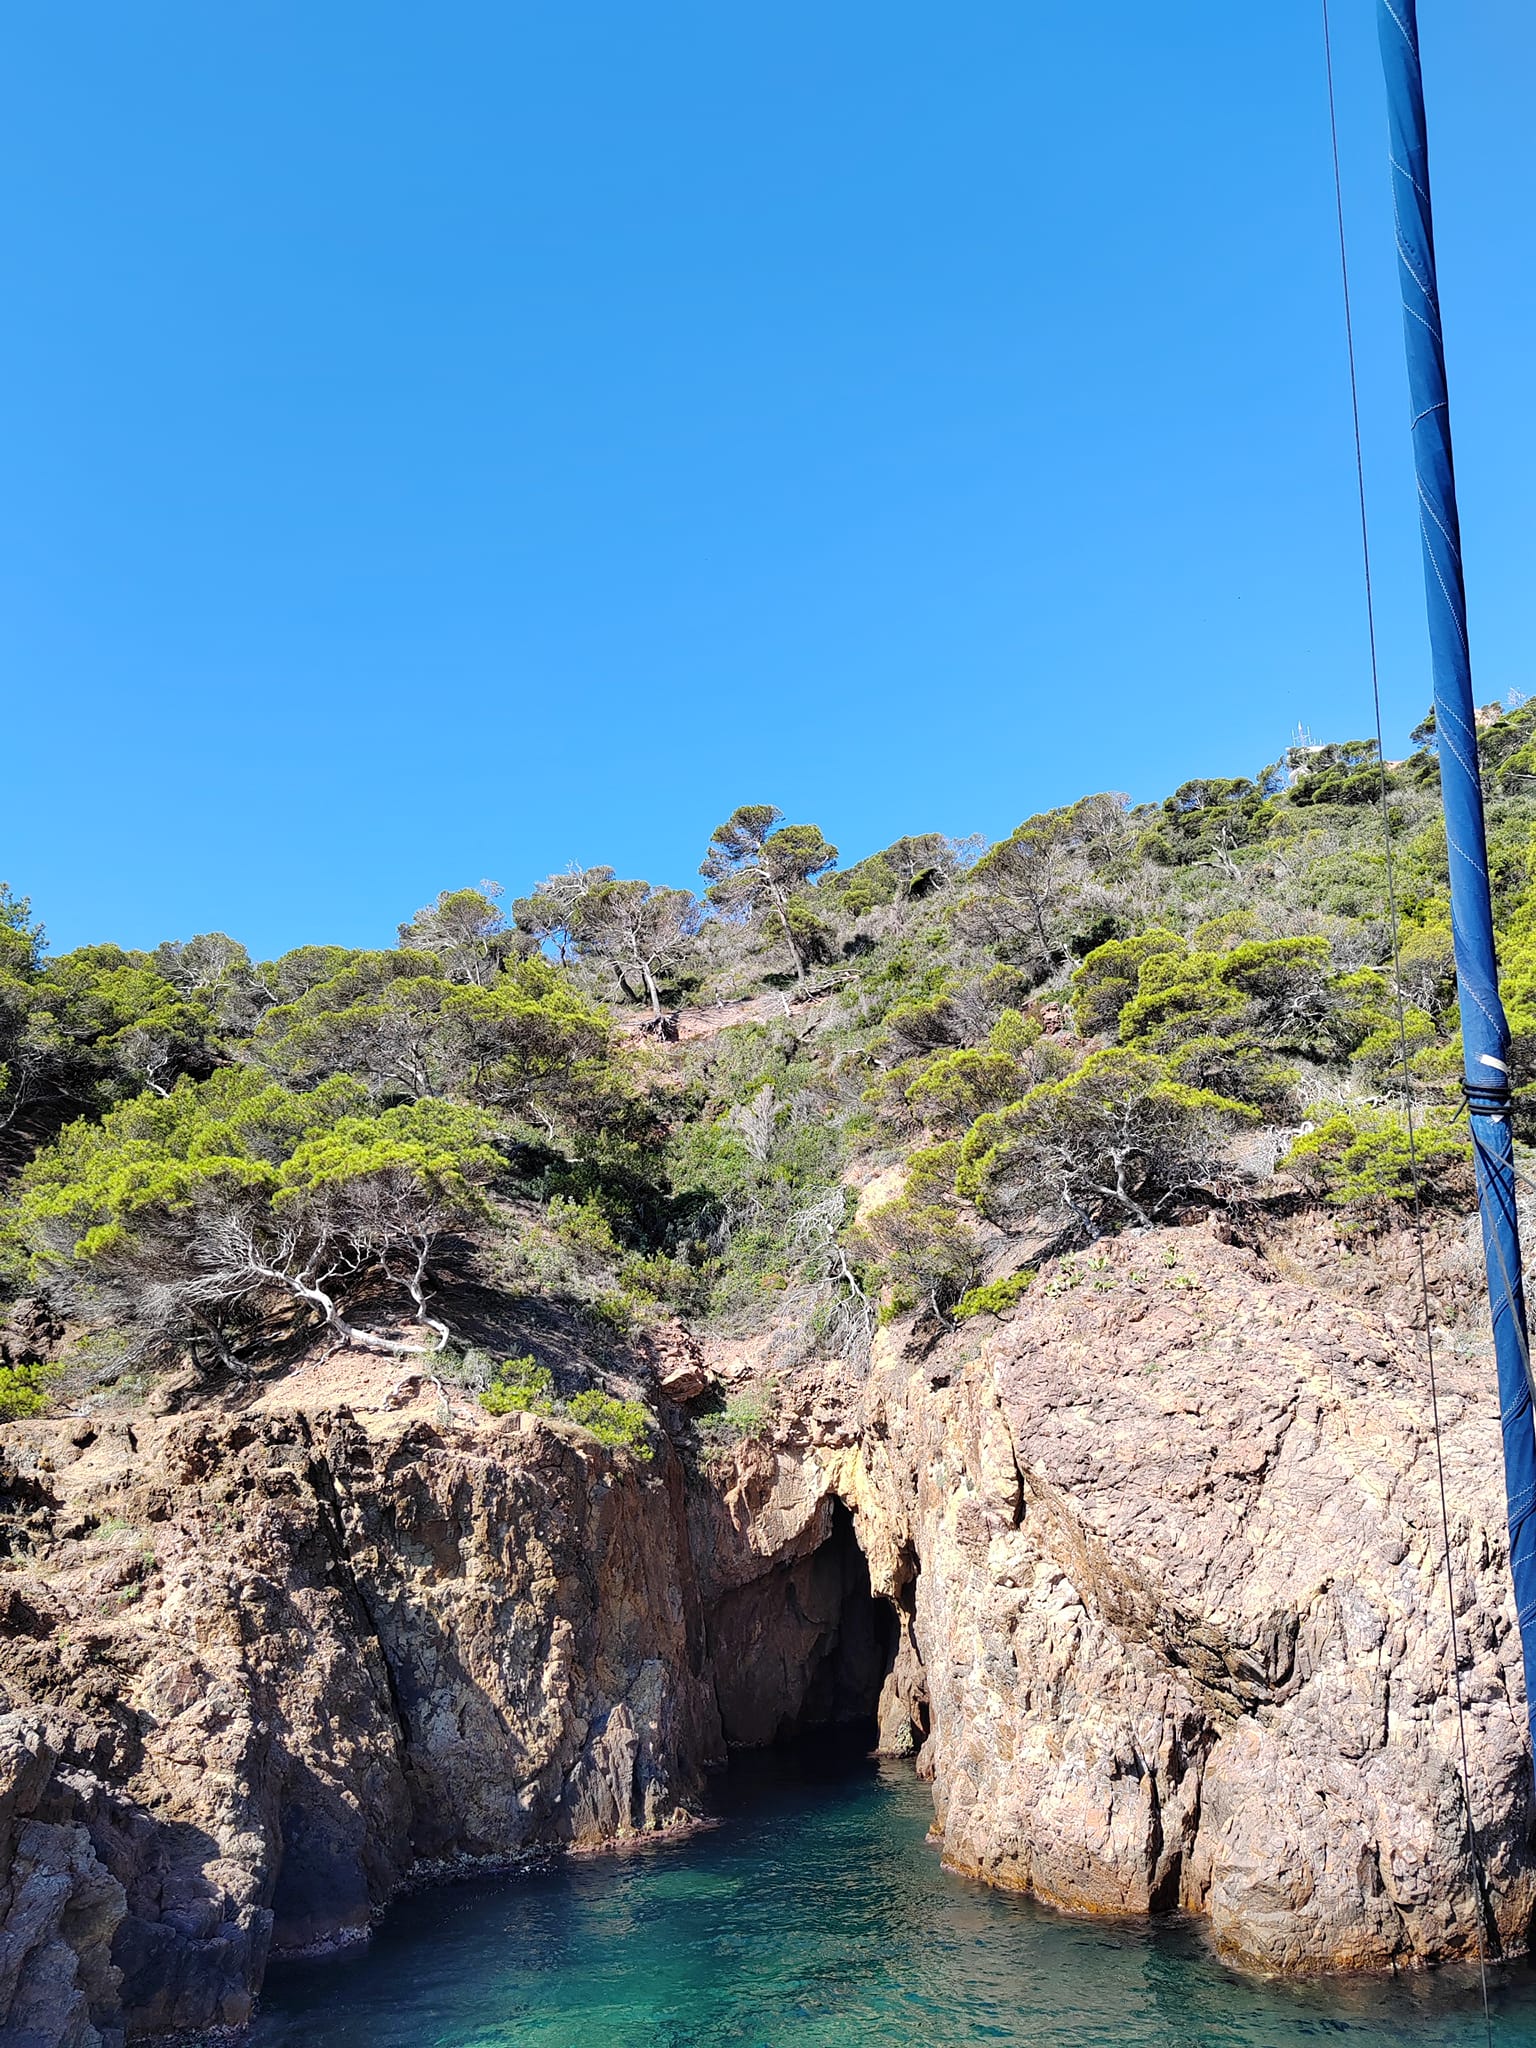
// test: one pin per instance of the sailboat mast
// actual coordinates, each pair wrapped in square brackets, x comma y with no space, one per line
[1485,1034]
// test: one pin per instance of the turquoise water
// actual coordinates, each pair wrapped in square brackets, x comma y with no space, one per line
[817,1915]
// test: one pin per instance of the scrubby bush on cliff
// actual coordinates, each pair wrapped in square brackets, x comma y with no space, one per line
[25,1390]
[622,1425]
[1211,821]
[743,1416]
[1360,1157]
[1284,994]
[135,1028]
[529,1043]
[85,1030]
[29,1042]
[754,1175]
[1118,1141]
[920,1251]
[1110,976]
[955,1088]
[520,1387]
[523,1387]
[998,1296]
[191,1221]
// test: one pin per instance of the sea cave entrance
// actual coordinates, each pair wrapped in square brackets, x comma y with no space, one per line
[809,1654]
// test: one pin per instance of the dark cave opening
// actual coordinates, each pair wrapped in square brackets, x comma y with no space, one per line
[806,1654]
[844,1684]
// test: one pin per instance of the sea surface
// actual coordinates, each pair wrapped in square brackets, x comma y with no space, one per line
[816,1914]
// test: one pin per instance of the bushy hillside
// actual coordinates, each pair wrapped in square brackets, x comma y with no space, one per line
[641,1104]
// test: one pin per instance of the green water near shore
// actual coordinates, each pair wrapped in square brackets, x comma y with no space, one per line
[816,1914]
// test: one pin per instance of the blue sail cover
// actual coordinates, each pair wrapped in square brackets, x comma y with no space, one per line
[1485,1035]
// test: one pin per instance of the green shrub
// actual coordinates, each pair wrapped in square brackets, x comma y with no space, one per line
[742,1418]
[523,1387]
[1118,1141]
[622,1425]
[923,1247]
[1379,1056]
[744,1415]
[931,1171]
[585,1230]
[618,1312]
[25,1390]
[1282,993]
[1230,928]
[520,1387]
[1359,1158]
[660,1278]
[1107,979]
[955,1088]
[997,1296]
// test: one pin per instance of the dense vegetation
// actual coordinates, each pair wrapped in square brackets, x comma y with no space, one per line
[1112,1014]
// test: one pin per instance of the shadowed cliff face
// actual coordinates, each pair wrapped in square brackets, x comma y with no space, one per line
[1146,1575]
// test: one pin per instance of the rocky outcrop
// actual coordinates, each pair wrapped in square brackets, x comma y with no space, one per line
[308,1658]
[1182,1608]
[678,1366]
[1165,1558]
[1149,1575]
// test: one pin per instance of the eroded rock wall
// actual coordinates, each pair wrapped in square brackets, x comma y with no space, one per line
[1166,1552]
[293,1659]
[1182,1610]
[1148,1574]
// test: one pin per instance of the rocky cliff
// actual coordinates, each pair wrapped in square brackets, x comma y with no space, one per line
[1182,1614]
[1148,1575]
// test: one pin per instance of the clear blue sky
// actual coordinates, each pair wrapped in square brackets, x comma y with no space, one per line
[443,442]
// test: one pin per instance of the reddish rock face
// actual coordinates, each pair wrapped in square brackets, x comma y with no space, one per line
[1182,1606]
[277,1664]
[1165,1548]
[681,1374]
[1148,1574]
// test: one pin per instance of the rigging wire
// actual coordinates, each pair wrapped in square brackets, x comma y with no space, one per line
[1479,1885]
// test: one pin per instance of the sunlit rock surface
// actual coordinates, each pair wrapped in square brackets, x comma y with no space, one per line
[1182,1608]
